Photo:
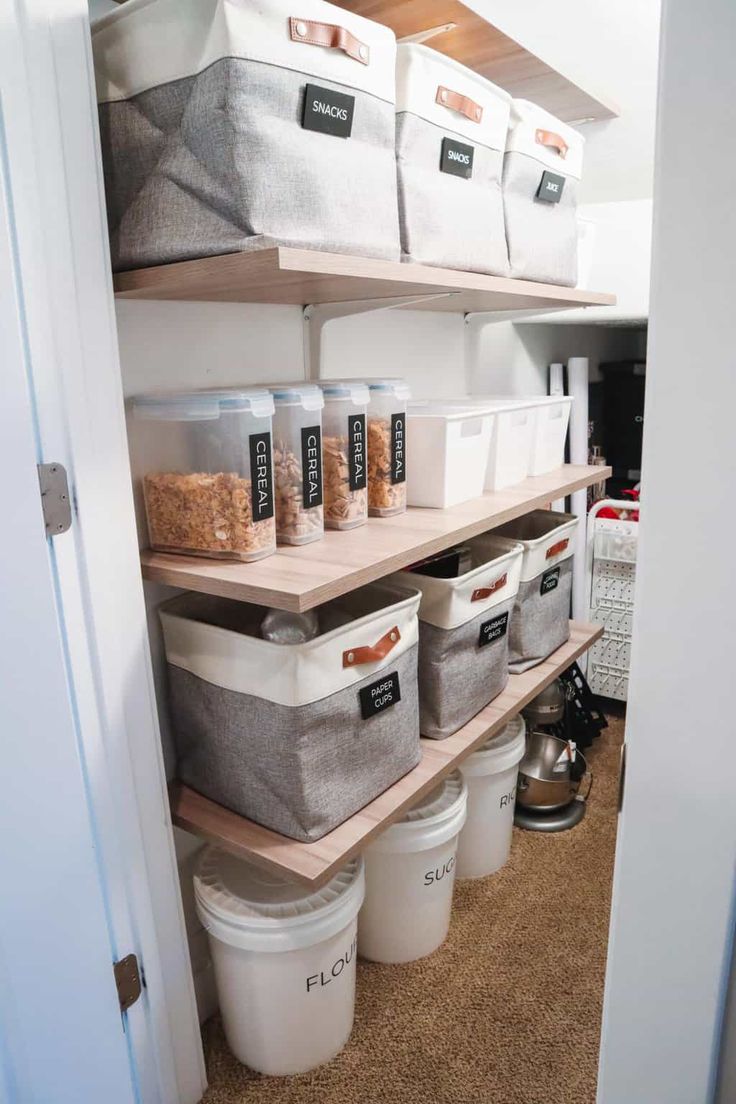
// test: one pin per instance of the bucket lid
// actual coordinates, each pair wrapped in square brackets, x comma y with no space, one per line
[194,406]
[258,910]
[355,391]
[499,752]
[306,395]
[435,818]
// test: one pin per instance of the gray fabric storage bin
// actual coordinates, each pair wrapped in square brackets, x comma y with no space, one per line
[464,625]
[541,620]
[282,733]
[544,158]
[451,128]
[204,138]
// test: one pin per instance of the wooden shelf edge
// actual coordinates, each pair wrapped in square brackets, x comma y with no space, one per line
[298,579]
[313,864]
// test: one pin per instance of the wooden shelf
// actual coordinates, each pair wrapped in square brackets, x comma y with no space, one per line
[299,578]
[484,47]
[301,276]
[315,863]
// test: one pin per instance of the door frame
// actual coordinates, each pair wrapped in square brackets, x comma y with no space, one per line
[48,99]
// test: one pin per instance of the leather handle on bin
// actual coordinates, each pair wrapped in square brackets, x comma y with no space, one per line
[329,34]
[552,141]
[486,592]
[457,102]
[557,548]
[354,657]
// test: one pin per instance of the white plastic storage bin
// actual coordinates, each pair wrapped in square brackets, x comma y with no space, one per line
[387,447]
[451,126]
[540,622]
[297,737]
[541,175]
[284,959]
[490,774]
[297,462]
[345,453]
[208,464]
[552,418]
[447,452]
[464,620]
[228,126]
[410,875]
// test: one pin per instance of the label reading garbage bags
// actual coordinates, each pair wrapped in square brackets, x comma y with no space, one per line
[261,476]
[550,580]
[380,695]
[327,111]
[311,466]
[457,158]
[550,187]
[493,630]
[356,452]
[398,448]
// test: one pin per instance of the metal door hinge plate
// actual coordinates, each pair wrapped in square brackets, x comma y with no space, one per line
[55,500]
[128,981]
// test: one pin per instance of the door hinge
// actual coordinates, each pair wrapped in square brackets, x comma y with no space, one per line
[55,501]
[127,980]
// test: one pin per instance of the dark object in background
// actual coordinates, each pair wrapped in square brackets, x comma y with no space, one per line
[620,417]
[583,721]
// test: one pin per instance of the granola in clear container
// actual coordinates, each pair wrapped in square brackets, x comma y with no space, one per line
[297,460]
[345,453]
[344,508]
[387,447]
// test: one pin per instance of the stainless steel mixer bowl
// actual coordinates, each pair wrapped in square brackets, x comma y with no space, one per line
[540,787]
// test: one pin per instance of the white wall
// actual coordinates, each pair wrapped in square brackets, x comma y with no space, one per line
[673,900]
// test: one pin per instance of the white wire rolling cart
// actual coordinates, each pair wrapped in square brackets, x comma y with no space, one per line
[611,574]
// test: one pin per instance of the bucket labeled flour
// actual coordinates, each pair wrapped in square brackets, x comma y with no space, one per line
[284,959]
[410,875]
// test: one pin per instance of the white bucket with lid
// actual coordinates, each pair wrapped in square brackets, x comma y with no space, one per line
[410,874]
[284,959]
[490,774]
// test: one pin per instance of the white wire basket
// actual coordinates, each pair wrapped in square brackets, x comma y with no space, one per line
[611,566]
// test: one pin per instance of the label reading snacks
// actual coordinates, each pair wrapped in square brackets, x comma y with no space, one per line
[457,158]
[328,111]
[356,452]
[550,187]
[261,476]
[550,580]
[493,630]
[380,695]
[311,466]
[398,448]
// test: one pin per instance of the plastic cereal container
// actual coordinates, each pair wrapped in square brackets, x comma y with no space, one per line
[387,447]
[345,453]
[208,482]
[297,462]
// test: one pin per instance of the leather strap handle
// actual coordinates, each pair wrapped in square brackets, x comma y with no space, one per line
[557,548]
[552,141]
[329,34]
[356,656]
[457,102]
[486,592]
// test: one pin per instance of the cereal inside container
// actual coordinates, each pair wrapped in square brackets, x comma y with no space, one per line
[345,453]
[387,447]
[208,482]
[297,462]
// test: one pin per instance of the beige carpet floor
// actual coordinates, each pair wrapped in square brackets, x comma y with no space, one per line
[506,1012]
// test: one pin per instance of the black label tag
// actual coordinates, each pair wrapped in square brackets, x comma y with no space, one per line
[398,448]
[457,158]
[493,630]
[550,580]
[356,452]
[328,111]
[550,187]
[380,695]
[311,466]
[261,476]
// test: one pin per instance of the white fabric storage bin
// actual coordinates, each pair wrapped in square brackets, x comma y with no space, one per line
[297,737]
[451,127]
[284,959]
[447,452]
[410,875]
[552,418]
[463,634]
[229,126]
[540,622]
[490,774]
[541,174]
